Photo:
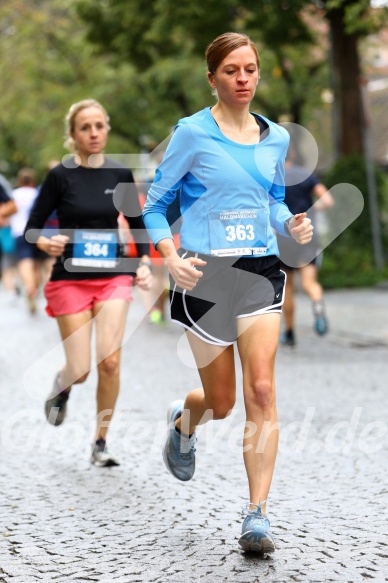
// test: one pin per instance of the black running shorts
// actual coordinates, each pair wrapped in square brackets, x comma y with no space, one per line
[230,288]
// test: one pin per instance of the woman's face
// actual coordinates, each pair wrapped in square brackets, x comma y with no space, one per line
[90,132]
[236,77]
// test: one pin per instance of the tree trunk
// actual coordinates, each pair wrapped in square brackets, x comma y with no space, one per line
[346,64]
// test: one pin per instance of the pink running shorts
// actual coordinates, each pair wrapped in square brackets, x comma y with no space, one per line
[71,297]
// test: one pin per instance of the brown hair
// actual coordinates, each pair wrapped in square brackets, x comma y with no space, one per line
[71,115]
[225,44]
[26,177]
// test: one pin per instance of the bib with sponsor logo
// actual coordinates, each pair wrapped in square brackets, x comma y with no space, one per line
[95,249]
[238,232]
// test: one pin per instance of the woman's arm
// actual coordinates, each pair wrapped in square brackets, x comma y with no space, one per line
[45,203]
[176,163]
[324,196]
[6,210]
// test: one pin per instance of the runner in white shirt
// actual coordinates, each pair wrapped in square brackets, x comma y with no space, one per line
[26,253]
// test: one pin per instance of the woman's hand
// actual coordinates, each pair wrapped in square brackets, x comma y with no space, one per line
[53,246]
[183,271]
[144,277]
[301,228]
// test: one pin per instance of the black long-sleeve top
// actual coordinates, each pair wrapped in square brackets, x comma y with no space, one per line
[88,200]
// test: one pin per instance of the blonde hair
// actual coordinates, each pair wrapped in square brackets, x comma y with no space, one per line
[72,114]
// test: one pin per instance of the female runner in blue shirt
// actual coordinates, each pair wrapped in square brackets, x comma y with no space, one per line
[227,286]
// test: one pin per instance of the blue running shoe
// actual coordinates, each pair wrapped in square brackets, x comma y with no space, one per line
[256,534]
[179,450]
[321,325]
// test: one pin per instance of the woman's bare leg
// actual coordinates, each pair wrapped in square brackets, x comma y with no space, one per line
[110,319]
[257,344]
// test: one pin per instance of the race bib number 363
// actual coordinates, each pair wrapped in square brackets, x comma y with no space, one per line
[238,232]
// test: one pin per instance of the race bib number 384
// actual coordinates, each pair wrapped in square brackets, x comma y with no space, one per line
[238,232]
[94,249]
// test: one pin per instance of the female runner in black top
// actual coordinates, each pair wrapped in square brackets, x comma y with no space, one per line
[89,282]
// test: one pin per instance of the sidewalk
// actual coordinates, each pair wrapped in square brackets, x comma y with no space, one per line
[65,520]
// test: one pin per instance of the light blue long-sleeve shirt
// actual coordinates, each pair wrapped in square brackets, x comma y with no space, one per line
[222,184]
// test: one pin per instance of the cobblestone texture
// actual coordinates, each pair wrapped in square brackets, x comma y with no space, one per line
[63,520]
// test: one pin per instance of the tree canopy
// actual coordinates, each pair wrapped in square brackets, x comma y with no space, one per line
[46,65]
[145,62]
[165,42]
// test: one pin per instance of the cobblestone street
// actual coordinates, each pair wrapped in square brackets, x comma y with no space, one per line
[67,521]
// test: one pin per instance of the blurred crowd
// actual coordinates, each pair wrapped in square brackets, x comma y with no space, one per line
[25,269]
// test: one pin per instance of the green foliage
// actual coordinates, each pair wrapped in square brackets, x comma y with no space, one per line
[46,66]
[145,63]
[349,259]
[165,42]
[358,18]
[149,30]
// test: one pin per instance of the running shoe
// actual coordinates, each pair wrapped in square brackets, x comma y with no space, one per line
[321,325]
[256,535]
[156,317]
[179,450]
[288,338]
[31,302]
[101,456]
[56,405]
